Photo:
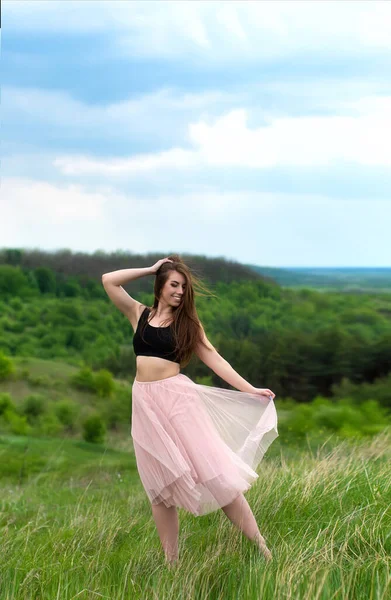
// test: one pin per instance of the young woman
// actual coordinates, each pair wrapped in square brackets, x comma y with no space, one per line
[196,446]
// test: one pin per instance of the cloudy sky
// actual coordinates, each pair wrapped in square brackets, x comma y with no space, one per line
[259,131]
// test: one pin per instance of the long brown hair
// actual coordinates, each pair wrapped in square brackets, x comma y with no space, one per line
[186,325]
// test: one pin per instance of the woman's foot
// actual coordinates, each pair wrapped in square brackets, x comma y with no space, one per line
[171,562]
[260,541]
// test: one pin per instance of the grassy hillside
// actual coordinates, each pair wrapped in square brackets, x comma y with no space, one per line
[49,377]
[52,398]
[76,524]
[75,521]
[298,343]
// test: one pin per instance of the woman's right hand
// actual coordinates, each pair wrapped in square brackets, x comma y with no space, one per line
[264,392]
[159,263]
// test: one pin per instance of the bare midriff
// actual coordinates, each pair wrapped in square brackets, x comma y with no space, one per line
[152,368]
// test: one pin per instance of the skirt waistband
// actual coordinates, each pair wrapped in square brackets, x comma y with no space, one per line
[156,380]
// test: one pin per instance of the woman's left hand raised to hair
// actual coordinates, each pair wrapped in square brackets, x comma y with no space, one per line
[264,392]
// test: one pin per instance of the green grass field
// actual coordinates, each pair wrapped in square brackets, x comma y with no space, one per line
[76,524]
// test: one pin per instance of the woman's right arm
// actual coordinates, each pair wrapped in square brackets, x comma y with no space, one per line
[113,282]
[125,275]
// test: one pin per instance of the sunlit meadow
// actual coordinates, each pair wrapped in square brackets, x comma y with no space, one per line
[76,524]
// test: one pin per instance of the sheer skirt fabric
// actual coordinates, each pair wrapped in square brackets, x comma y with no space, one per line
[197,447]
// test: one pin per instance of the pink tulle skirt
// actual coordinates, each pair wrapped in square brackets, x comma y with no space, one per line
[197,447]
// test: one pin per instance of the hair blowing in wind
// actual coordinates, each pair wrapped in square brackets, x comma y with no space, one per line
[186,324]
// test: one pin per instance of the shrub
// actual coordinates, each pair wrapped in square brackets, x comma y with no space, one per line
[16,303]
[94,429]
[299,422]
[39,380]
[101,383]
[49,424]
[72,288]
[66,412]
[13,282]
[33,406]
[373,412]
[104,383]
[70,312]
[118,410]
[74,338]
[348,431]
[336,416]
[17,423]
[7,367]
[46,280]
[379,390]
[84,379]
[6,403]
[343,417]
[10,324]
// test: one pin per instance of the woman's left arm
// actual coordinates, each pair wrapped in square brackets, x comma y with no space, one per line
[223,369]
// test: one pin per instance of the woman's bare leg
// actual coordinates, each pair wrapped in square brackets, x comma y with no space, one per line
[167,524]
[241,515]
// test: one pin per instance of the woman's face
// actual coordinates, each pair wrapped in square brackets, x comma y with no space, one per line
[173,290]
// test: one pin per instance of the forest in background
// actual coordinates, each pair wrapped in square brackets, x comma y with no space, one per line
[67,360]
[300,343]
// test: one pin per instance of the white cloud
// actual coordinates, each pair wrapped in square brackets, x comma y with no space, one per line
[36,213]
[364,139]
[177,141]
[78,165]
[225,31]
[162,117]
[157,115]
[40,214]
[56,203]
[264,228]
[227,15]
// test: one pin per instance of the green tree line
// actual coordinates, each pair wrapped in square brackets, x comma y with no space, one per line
[300,343]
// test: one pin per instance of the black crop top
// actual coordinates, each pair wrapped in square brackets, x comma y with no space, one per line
[158,341]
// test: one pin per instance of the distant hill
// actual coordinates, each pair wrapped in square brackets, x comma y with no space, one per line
[330,278]
[83,266]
